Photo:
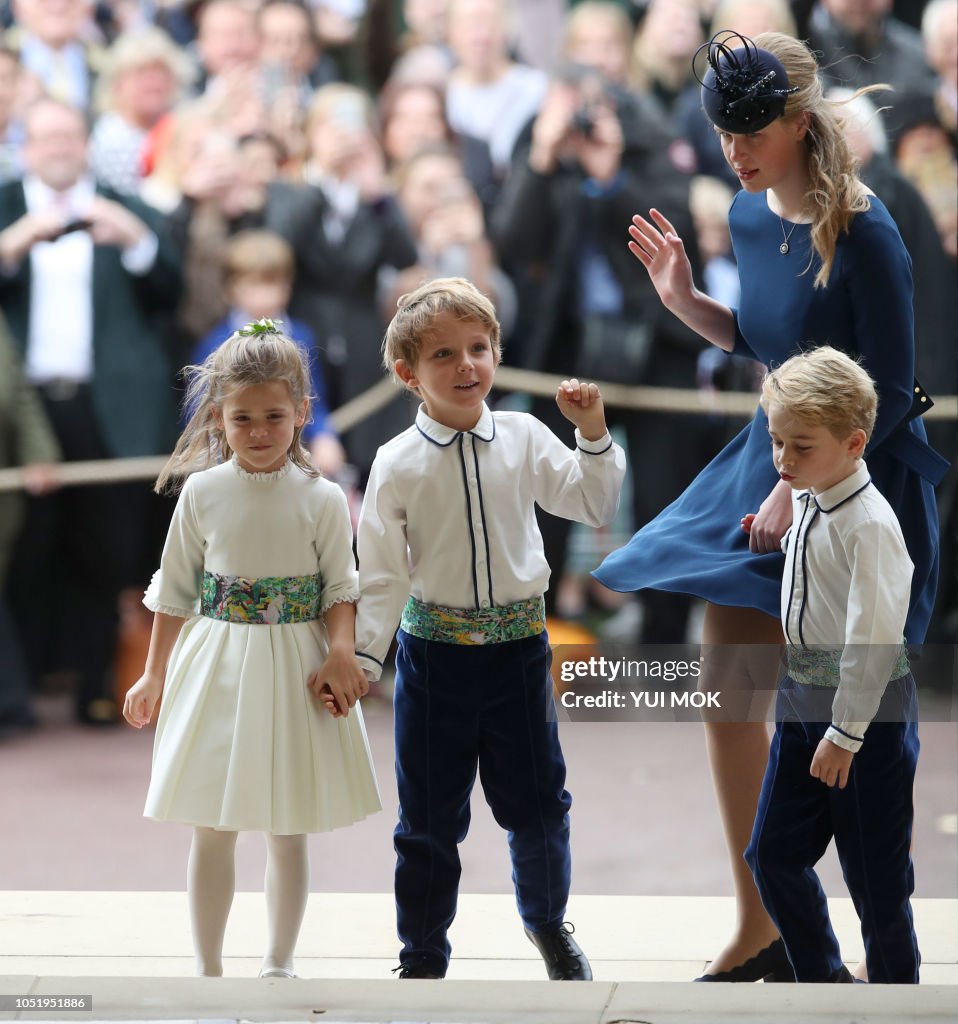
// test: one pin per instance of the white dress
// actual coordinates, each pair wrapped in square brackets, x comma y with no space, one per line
[241,742]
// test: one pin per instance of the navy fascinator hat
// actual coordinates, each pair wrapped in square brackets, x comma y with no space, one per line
[744,88]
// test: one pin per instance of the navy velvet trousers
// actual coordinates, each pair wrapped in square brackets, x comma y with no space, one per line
[871,822]
[459,710]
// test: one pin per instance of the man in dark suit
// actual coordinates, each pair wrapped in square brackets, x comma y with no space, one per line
[85,279]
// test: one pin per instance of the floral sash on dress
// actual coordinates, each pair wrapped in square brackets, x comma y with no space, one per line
[267,600]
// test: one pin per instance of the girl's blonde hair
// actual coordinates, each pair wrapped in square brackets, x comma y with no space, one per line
[824,387]
[418,311]
[835,192]
[256,354]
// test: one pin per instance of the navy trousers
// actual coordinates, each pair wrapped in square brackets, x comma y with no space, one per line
[871,821]
[459,709]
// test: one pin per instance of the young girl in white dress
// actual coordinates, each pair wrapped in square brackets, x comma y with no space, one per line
[254,609]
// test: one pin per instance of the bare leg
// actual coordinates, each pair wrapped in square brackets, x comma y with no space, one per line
[287,888]
[746,643]
[211,879]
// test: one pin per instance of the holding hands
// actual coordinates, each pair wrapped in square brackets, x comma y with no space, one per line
[339,683]
[582,405]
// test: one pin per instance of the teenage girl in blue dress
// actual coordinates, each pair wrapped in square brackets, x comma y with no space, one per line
[820,262]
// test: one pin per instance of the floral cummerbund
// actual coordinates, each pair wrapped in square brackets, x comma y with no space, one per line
[817,666]
[474,626]
[266,600]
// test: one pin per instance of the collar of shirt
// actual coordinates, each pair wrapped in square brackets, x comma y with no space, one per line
[440,434]
[829,500]
[342,195]
[74,201]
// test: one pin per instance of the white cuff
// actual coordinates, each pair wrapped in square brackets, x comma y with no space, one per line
[849,735]
[599,447]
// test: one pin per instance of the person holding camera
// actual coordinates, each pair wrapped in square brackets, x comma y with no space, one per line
[85,277]
[593,152]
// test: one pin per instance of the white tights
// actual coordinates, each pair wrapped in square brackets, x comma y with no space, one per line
[211,880]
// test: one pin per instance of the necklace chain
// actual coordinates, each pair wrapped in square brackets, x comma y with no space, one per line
[785,247]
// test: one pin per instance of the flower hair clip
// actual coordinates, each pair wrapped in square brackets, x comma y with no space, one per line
[260,327]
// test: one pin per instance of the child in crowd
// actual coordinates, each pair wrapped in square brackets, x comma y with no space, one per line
[844,602]
[448,543]
[258,271]
[254,612]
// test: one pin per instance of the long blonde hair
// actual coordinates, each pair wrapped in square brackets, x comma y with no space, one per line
[835,192]
[261,356]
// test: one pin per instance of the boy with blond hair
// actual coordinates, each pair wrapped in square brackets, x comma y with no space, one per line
[448,543]
[842,762]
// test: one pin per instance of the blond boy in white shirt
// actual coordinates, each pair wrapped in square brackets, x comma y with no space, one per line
[845,597]
[448,544]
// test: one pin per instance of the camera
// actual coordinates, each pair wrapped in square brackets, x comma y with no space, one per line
[592,91]
[583,120]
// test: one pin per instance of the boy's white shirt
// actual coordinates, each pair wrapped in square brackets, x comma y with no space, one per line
[448,516]
[846,587]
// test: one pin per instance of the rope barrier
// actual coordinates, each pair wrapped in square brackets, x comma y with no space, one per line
[508,378]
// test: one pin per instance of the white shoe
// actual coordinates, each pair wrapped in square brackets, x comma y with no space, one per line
[276,972]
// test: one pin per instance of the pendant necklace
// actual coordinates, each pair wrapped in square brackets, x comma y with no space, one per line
[784,247]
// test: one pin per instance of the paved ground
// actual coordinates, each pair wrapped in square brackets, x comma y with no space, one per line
[644,820]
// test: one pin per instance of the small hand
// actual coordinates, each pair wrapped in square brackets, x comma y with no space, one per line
[831,764]
[772,520]
[582,405]
[141,700]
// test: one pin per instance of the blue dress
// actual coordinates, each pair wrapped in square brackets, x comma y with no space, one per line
[696,545]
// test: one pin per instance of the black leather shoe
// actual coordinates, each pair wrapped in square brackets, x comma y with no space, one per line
[563,958]
[407,971]
[843,976]
[770,964]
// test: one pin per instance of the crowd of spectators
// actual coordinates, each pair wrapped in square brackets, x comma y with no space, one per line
[169,167]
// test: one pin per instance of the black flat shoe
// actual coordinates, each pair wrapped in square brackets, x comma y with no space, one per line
[563,959]
[770,964]
[407,971]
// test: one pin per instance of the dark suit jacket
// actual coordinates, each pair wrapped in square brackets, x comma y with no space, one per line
[335,294]
[541,222]
[132,381]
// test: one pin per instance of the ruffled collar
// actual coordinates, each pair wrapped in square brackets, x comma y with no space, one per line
[262,478]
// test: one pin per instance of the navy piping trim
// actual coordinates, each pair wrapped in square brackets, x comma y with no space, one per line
[842,502]
[801,610]
[791,589]
[586,451]
[486,439]
[359,654]
[472,536]
[848,735]
[432,440]
[485,529]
